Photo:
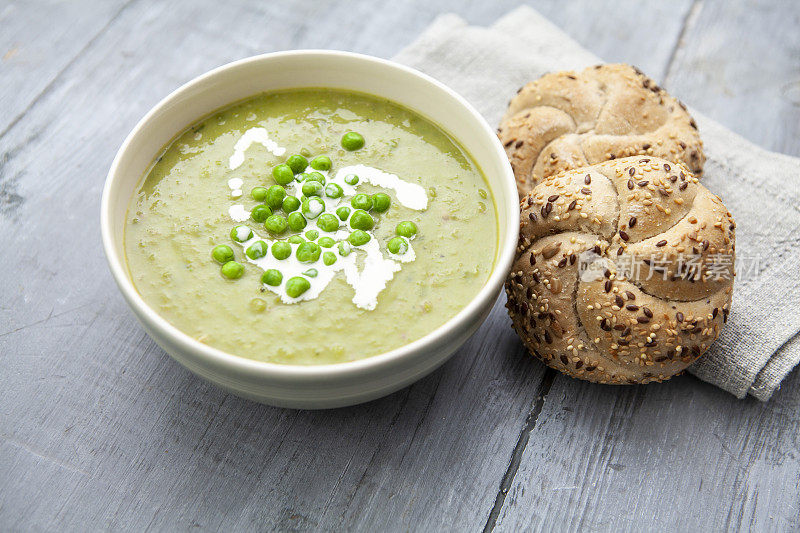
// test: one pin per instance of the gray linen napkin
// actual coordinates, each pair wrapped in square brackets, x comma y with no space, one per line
[760,345]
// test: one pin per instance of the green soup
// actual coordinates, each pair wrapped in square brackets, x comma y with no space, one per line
[311,226]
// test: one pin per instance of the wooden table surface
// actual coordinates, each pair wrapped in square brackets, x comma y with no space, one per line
[100,429]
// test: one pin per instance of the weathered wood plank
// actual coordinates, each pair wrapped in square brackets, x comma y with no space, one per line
[678,456]
[738,63]
[681,455]
[38,40]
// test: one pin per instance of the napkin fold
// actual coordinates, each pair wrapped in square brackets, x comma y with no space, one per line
[760,344]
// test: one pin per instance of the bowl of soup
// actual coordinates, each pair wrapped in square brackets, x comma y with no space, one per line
[311,229]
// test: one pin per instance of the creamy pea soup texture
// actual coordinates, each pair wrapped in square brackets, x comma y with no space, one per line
[398,232]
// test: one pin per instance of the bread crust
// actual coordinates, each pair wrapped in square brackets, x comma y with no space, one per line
[569,119]
[600,288]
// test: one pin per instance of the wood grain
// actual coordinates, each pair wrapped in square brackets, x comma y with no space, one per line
[39,39]
[100,429]
[738,63]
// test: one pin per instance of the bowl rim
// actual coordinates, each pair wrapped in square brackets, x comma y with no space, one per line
[485,297]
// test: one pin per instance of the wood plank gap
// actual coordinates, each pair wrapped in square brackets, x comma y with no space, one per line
[688,21]
[49,87]
[522,442]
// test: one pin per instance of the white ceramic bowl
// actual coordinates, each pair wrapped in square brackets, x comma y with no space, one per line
[322,386]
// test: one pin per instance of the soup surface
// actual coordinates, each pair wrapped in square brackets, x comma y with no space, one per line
[311,226]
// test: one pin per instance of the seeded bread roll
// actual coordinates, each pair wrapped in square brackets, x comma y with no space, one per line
[624,270]
[569,120]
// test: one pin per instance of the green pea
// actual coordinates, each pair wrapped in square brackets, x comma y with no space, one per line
[361,201]
[344,248]
[305,152]
[406,229]
[381,202]
[241,233]
[295,239]
[275,195]
[232,270]
[257,305]
[333,190]
[361,220]
[259,193]
[260,213]
[272,277]
[276,224]
[352,141]
[222,253]
[308,252]
[290,203]
[398,245]
[359,238]
[328,222]
[351,179]
[312,207]
[315,176]
[281,250]
[312,234]
[296,286]
[283,174]
[343,212]
[297,163]
[311,273]
[321,162]
[257,250]
[312,188]
[329,258]
[326,242]
[296,221]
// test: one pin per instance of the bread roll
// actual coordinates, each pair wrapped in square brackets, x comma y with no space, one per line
[569,120]
[624,270]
